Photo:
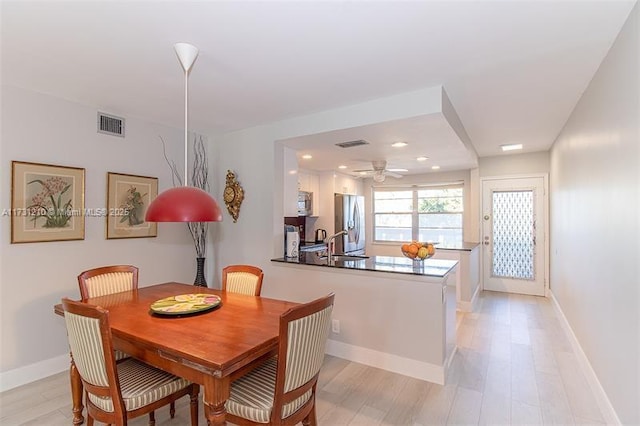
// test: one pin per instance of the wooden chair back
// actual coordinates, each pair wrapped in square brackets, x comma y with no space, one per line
[243,279]
[107,280]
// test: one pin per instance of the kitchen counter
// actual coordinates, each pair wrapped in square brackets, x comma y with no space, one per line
[464,246]
[390,313]
[396,264]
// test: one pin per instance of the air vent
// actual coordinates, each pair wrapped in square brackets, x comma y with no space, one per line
[110,125]
[351,144]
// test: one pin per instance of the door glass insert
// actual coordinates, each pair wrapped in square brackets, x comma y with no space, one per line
[513,234]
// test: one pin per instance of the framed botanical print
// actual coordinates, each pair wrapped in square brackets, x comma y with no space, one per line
[128,197]
[47,202]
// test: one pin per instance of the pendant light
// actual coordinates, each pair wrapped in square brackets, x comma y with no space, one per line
[184,203]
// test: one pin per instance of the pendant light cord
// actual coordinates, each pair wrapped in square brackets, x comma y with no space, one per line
[186,120]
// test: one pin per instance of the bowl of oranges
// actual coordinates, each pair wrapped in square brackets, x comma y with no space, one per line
[418,251]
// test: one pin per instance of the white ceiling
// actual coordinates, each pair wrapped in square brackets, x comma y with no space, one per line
[513,70]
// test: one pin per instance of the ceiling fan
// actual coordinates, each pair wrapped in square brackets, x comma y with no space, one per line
[380,171]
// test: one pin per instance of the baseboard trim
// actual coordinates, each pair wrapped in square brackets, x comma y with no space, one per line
[394,363]
[408,367]
[469,306]
[608,412]
[30,373]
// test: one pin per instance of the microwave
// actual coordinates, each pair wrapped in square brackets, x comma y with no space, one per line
[305,203]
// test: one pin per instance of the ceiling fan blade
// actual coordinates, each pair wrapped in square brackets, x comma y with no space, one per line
[363,171]
[393,174]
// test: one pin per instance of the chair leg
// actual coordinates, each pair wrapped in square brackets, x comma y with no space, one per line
[152,418]
[193,402]
[311,419]
[172,409]
[89,420]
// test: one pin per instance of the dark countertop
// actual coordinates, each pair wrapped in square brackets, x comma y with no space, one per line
[395,264]
[464,246]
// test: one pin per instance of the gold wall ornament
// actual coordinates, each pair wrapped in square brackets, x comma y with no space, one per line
[233,195]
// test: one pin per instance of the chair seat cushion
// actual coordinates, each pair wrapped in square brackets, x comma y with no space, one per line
[141,385]
[252,395]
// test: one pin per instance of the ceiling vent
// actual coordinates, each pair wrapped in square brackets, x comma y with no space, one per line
[110,124]
[351,144]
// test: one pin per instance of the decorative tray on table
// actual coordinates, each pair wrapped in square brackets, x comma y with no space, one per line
[184,304]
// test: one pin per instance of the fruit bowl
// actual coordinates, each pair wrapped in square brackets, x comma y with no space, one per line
[418,251]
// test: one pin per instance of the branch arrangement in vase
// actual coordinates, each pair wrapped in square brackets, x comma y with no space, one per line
[199,179]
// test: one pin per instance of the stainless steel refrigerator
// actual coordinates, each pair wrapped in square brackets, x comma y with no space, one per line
[349,216]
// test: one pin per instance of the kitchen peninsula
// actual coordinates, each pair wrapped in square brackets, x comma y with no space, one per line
[390,312]
[396,264]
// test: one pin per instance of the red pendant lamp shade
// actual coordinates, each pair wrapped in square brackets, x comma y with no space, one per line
[184,204]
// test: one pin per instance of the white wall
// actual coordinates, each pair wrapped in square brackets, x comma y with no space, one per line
[257,158]
[34,276]
[594,223]
[514,164]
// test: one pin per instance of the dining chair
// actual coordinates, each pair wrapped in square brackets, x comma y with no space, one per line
[282,391]
[117,391]
[106,280]
[243,279]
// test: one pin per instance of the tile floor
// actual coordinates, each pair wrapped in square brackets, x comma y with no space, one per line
[514,366]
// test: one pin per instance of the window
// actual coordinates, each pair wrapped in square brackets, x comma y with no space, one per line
[422,214]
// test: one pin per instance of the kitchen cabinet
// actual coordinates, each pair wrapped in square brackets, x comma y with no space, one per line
[344,184]
[290,188]
[310,182]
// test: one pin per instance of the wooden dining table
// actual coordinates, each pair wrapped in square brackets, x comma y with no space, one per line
[210,348]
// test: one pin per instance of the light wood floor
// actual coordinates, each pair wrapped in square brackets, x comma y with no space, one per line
[514,365]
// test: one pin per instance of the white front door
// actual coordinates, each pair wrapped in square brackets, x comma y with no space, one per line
[513,235]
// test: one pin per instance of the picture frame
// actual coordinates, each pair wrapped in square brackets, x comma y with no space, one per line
[128,197]
[47,202]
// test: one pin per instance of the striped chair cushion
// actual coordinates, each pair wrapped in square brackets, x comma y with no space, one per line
[141,385]
[252,395]
[305,348]
[242,282]
[112,282]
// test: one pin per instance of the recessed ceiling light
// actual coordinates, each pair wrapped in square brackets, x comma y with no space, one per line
[398,170]
[342,166]
[307,157]
[435,167]
[511,147]
[363,173]
[422,158]
[399,144]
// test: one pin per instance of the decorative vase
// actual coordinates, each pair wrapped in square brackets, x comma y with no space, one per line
[200,281]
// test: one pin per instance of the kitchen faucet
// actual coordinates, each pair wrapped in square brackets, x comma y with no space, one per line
[331,239]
